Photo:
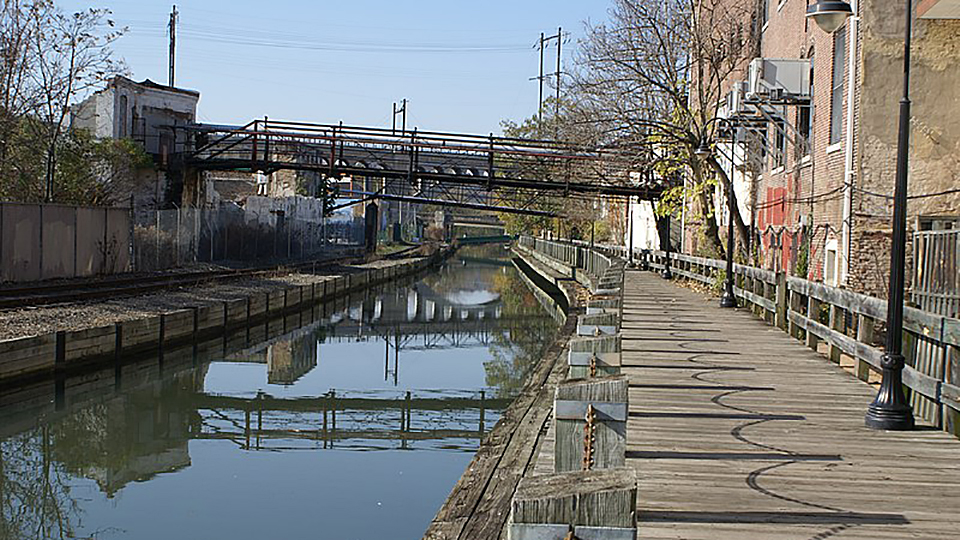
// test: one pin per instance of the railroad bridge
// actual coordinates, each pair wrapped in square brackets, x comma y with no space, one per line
[452,169]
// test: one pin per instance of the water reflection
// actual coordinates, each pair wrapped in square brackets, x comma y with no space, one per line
[423,366]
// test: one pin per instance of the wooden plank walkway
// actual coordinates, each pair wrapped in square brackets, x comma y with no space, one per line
[738,431]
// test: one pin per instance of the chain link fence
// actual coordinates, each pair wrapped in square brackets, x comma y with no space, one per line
[232,234]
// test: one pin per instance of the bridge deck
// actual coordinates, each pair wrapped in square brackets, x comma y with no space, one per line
[738,431]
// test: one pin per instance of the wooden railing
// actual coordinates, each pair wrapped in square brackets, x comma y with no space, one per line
[847,323]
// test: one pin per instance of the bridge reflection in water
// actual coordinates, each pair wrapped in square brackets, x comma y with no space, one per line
[119,425]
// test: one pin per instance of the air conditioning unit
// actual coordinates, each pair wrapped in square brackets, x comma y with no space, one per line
[778,80]
[735,99]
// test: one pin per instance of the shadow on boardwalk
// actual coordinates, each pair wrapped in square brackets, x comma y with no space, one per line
[738,431]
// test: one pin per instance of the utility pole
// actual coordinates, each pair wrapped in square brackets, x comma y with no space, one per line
[403,111]
[172,27]
[540,78]
[544,40]
[557,113]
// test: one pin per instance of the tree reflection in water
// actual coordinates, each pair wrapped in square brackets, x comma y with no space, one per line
[517,346]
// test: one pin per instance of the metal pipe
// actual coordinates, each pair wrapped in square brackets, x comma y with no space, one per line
[848,169]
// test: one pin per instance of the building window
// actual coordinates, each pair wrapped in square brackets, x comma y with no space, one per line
[763,143]
[830,273]
[805,117]
[836,95]
[764,13]
[780,144]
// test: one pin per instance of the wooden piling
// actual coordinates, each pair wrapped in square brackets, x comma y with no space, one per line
[603,305]
[601,323]
[593,504]
[594,356]
[591,420]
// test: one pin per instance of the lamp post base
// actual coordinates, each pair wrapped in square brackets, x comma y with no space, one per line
[890,410]
[728,300]
[889,418]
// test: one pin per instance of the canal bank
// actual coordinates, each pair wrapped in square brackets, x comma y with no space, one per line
[355,425]
[553,466]
[479,504]
[39,355]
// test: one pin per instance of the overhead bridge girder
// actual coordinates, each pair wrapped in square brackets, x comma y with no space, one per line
[446,158]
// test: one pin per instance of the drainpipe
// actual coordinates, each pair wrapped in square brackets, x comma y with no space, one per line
[849,174]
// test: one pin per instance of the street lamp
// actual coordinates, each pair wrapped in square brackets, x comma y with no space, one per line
[727,299]
[889,409]
[702,151]
[829,14]
[666,273]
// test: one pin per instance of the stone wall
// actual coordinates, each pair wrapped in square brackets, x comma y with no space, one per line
[935,132]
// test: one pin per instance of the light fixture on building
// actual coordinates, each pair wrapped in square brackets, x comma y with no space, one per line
[829,14]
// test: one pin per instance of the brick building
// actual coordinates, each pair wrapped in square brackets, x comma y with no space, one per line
[820,188]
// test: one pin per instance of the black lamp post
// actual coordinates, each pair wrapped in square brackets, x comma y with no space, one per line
[889,409]
[666,273]
[728,299]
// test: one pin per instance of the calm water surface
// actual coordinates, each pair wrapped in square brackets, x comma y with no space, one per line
[350,421]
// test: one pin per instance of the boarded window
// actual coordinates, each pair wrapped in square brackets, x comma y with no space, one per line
[122,120]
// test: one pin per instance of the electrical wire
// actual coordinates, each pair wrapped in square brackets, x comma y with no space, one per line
[910,197]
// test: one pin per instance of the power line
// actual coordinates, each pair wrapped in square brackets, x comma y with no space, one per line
[911,197]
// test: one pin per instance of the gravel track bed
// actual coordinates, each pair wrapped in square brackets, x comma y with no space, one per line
[31,321]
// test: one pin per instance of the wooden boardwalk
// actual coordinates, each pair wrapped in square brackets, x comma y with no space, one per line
[738,431]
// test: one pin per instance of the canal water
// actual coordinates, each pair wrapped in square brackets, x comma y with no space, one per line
[351,421]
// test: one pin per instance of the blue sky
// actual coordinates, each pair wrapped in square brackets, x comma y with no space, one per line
[463,66]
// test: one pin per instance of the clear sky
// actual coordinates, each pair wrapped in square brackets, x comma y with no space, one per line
[463,65]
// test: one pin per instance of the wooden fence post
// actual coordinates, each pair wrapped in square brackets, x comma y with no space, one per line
[864,335]
[813,313]
[781,296]
[836,323]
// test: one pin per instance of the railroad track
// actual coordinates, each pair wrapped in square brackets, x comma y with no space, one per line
[73,291]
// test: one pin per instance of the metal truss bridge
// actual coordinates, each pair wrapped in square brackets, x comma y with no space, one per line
[469,171]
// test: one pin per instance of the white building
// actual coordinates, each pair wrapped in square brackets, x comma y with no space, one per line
[142,111]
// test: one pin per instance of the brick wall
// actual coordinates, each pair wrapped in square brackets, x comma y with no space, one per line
[805,189]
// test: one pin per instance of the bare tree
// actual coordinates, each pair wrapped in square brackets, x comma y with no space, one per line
[73,56]
[50,59]
[651,80]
